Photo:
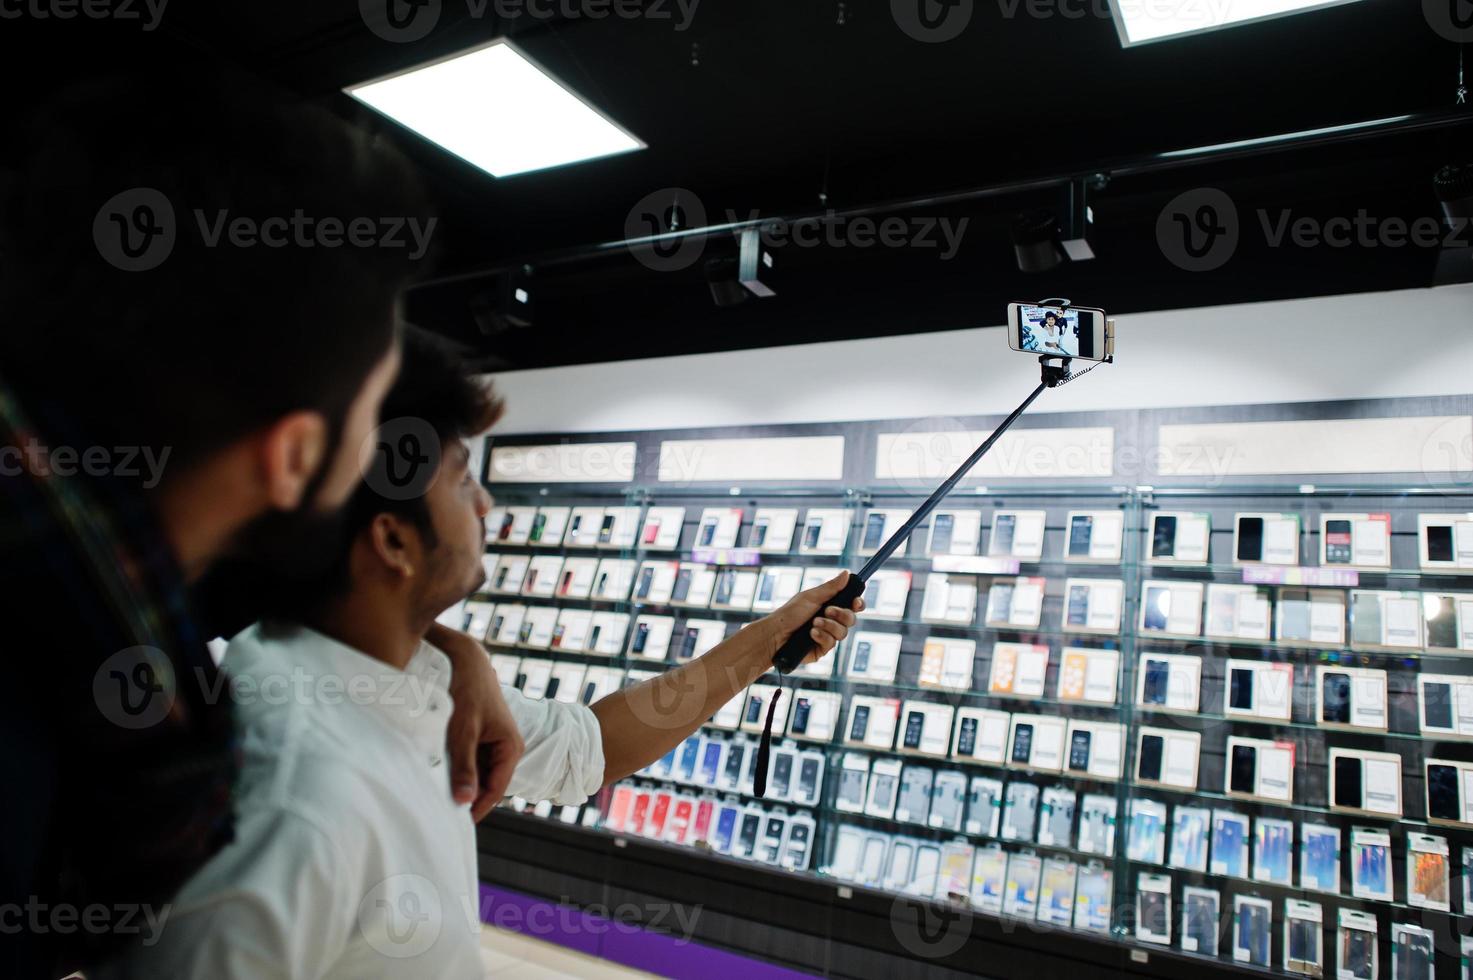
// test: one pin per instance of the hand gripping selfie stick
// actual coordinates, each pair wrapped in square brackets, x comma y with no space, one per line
[797,646]
[1055,373]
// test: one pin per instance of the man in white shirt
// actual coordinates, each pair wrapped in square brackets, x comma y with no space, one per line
[351,859]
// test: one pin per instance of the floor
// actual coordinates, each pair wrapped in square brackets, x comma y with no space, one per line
[511,954]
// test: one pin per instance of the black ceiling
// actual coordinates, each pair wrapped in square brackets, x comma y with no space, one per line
[786,106]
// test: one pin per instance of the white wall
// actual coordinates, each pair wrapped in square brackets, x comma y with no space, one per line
[1372,345]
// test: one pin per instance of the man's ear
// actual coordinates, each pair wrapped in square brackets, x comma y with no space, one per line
[294,450]
[395,544]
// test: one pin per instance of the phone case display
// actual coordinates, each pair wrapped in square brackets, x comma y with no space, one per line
[873,657]
[1171,608]
[1258,690]
[1238,612]
[509,525]
[1016,602]
[1445,543]
[1351,698]
[1179,539]
[1303,937]
[1265,764]
[946,664]
[877,526]
[718,527]
[619,527]
[981,735]
[776,584]
[925,728]
[1019,670]
[548,527]
[1445,705]
[949,599]
[1093,605]
[650,639]
[1094,537]
[573,580]
[1252,930]
[954,532]
[1358,541]
[1089,675]
[1017,534]
[1260,769]
[1266,539]
[825,531]
[1357,954]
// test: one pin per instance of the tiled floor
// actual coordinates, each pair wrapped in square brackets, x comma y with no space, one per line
[512,955]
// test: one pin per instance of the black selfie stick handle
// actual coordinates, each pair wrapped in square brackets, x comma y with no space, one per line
[790,656]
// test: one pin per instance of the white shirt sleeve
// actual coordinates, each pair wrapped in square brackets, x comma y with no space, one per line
[277,903]
[564,756]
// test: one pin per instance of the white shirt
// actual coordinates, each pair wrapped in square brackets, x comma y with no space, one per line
[351,859]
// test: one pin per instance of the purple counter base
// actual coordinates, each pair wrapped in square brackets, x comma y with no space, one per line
[620,941]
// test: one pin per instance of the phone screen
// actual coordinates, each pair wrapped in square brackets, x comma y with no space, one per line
[1442,622]
[1347,782]
[754,709]
[1336,699]
[801,710]
[708,533]
[688,645]
[1337,543]
[606,530]
[1158,672]
[1022,743]
[641,637]
[915,722]
[811,533]
[646,579]
[1440,543]
[782,773]
[1163,541]
[941,531]
[1442,793]
[731,773]
[1002,534]
[1250,539]
[1079,752]
[1078,613]
[1081,528]
[1150,763]
[759,534]
[874,530]
[861,658]
[651,530]
[859,727]
[1243,776]
[538,523]
[1437,708]
[966,739]
[552,686]
[1241,689]
[746,841]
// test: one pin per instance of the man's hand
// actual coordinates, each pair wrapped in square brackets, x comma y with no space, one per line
[830,629]
[483,739]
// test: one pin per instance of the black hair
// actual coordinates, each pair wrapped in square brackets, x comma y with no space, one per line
[217,341]
[436,391]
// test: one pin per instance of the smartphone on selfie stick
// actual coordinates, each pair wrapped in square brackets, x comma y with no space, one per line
[1059,333]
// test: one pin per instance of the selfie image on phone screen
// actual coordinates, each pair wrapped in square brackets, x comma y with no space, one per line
[1163,541]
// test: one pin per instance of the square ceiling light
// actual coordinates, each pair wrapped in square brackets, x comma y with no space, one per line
[497,109]
[1143,21]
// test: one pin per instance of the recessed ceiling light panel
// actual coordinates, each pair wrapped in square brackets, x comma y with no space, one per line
[1143,21]
[497,109]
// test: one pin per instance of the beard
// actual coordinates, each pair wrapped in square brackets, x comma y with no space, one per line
[279,564]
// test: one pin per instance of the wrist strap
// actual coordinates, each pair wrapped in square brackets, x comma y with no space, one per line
[764,748]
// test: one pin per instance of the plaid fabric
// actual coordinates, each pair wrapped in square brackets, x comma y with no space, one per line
[104,808]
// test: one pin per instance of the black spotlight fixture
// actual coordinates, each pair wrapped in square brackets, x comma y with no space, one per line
[506,302]
[1036,241]
[1453,186]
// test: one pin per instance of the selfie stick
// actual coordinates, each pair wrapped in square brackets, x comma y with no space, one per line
[797,647]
